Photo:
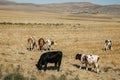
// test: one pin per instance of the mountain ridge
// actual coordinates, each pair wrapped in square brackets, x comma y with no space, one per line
[68,7]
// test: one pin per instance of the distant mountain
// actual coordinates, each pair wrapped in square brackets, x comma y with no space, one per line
[5,2]
[70,7]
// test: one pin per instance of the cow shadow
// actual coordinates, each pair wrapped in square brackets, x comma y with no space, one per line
[82,67]
[49,68]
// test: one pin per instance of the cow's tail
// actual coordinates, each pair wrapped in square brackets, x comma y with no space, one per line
[98,59]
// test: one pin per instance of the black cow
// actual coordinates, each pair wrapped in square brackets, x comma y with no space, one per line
[50,57]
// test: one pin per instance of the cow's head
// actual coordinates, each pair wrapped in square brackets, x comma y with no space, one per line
[108,42]
[39,65]
[78,56]
[52,42]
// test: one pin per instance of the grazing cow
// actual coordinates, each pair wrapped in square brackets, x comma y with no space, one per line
[108,45]
[41,43]
[50,57]
[31,43]
[89,60]
[49,43]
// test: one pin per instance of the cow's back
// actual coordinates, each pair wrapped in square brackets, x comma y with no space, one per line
[52,57]
[55,56]
[92,58]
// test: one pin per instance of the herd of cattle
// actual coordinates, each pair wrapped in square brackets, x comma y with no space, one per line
[42,44]
[56,56]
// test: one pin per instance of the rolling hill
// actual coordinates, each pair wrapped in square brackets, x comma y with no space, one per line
[70,7]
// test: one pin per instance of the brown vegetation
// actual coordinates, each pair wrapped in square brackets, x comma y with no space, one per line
[81,34]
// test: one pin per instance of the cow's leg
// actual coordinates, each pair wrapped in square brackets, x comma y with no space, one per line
[59,63]
[45,66]
[33,46]
[110,47]
[86,67]
[55,64]
[30,46]
[40,47]
[49,47]
[97,67]
[93,67]
[81,66]
[105,48]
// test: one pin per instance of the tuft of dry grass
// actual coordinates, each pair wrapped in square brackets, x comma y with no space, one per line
[72,37]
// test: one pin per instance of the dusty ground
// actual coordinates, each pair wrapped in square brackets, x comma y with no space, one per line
[81,35]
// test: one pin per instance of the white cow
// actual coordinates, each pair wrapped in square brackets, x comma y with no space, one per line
[49,43]
[88,59]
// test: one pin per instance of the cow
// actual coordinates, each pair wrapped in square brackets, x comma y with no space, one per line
[89,59]
[108,45]
[50,57]
[31,43]
[41,43]
[49,43]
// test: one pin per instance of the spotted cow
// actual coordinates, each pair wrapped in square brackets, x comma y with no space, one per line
[108,45]
[89,59]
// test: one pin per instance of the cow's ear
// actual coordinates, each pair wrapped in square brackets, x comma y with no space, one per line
[106,41]
[110,41]
[77,55]
[80,55]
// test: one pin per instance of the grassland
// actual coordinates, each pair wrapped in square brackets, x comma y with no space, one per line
[73,33]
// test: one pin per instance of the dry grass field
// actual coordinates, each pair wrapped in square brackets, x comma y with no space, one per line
[73,33]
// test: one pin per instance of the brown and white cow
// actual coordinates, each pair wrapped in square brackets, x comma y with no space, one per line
[41,43]
[108,45]
[49,43]
[31,43]
[89,60]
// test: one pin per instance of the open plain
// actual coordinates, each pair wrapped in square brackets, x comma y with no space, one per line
[73,33]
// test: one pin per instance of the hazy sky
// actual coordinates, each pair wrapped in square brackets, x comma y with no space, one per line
[103,2]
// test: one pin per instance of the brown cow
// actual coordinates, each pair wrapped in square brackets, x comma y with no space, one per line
[41,43]
[31,43]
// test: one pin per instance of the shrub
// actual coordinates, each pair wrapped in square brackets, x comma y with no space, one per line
[106,69]
[76,78]
[14,76]
[62,77]
[53,77]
